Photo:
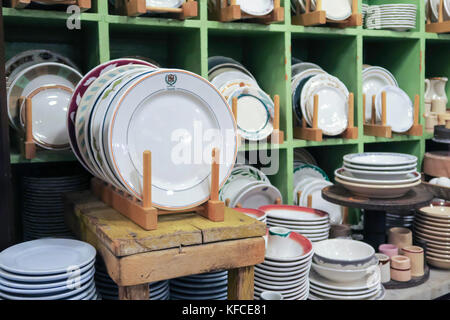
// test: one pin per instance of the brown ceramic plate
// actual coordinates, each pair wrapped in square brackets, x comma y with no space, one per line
[438,212]
[444,234]
[439,263]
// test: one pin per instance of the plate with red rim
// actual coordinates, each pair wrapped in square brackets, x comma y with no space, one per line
[294,213]
[299,225]
[81,89]
[254,213]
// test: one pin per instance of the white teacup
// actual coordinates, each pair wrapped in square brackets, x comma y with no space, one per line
[276,240]
[271,295]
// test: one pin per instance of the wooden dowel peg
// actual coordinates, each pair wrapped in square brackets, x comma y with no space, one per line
[227,202]
[238,205]
[416,108]
[276,118]
[309,201]
[276,4]
[29,120]
[234,105]
[233,2]
[308,6]
[316,112]
[318,5]
[374,117]
[441,11]
[351,110]
[383,108]
[147,176]
[303,122]
[364,108]
[277,201]
[355,6]
[299,195]
[215,167]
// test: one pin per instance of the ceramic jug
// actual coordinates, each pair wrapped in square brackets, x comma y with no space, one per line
[436,89]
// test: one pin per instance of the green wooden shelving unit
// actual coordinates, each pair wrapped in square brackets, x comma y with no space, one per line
[265,50]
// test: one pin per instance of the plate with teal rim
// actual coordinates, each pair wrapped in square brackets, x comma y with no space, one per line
[255,113]
[307,171]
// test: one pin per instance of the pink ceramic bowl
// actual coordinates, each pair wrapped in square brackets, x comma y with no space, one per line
[388,249]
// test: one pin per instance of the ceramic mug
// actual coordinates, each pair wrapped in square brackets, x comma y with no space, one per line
[271,295]
[276,241]
[416,255]
[389,250]
[401,237]
[385,267]
[431,120]
[400,268]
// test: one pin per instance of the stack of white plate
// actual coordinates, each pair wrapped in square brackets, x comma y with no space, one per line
[435,9]
[287,270]
[43,205]
[254,213]
[48,269]
[345,269]
[248,187]
[404,220]
[309,80]
[397,17]
[109,290]
[310,180]
[255,109]
[432,225]
[126,106]
[254,7]
[49,80]
[336,10]
[207,286]
[364,8]
[378,174]
[302,156]
[311,223]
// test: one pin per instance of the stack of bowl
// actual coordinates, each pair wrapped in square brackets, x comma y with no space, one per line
[207,286]
[286,266]
[311,223]
[378,174]
[432,225]
[344,269]
[254,213]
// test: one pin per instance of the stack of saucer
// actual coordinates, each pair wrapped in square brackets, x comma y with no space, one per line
[207,286]
[378,174]
[311,223]
[286,266]
[397,17]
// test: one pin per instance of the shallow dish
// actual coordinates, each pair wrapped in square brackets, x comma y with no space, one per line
[379,178]
[439,263]
[298,247]
[364,284]
[293,213]
[343,275]
[399,109]
[439,212]
[380,159]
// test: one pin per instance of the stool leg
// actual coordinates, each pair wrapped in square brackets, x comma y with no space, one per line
[241,283]
[138,292]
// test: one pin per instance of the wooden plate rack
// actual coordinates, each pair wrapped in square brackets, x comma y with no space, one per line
[142,212]
[319,16]
[134,8]
[232,12]
[315,134]
[277,136]
[382,130]
[437,27]
[82,4]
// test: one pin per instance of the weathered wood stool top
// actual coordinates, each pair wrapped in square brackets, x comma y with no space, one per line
[184,244]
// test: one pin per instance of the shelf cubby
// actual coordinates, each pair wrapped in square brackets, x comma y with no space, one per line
[437,52]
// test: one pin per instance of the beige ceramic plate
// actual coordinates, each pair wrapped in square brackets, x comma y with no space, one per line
[432,242]
[441,254]
[377,191]
[438,247]
[437,212]
[426,219]
[445,234]
[439,263]
[432,237]
[432,228]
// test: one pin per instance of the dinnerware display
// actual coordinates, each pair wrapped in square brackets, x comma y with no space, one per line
[432,225]
[309,80]
[378,174]
[43,205]
[207,286]
[255,109]
[285,269]
[311,223]
[397,17]
[126,106]
[400,237]
[109,290]
[337,10]
[254,213]
[48,269]
[385,267]
[375,78]
[248,187]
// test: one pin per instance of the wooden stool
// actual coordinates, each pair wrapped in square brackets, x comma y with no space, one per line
[184,244]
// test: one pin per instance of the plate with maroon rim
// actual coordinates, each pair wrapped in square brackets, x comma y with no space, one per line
[254,213]
[294,213]
[80,90]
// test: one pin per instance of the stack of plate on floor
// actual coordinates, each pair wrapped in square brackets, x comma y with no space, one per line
[397,17]
[43,205]
[311,223]
[124,107]
[254,213]
[336,10]
[308,80]
[49,80]
[254,7]
[207,286]
[345,270]
[109,290]
[255,109]
[432,225]
[48,269]
[435,10]
[378,174]
[286,267]
[404,219]
[248,187]
[310,180]
[399,108]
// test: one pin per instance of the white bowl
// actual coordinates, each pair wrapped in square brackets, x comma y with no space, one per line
[343,275]
[343,254]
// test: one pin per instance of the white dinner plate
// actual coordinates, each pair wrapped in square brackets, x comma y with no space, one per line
[371,177]
[257,195]
[294,214]
[380,168]
[399,109]
[380,159]
[256,7]
[337,9]
[361,284]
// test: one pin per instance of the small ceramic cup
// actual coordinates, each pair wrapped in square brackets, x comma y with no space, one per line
[271,295]
[416,255]
[276,241]
[388,249]
[400,275]
[400,268]
[401,237]
[385,267]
